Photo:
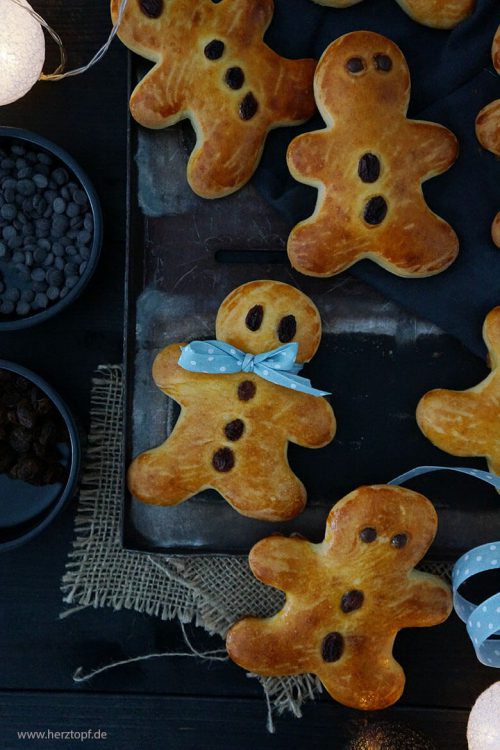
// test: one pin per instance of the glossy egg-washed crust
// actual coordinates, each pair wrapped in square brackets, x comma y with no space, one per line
[467,423]
[488,128]
[185,83]
[441,14]
[315,578]
[365,114]
[261,483]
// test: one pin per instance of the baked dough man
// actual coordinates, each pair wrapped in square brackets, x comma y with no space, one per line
[441,14]
[233,430]
[488,129]
[213,67]
[368,165]
[347,597]
[467,423]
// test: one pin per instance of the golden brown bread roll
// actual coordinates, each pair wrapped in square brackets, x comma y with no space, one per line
[234,428]
[441,14]
[368,165]
[212,66]
[347,597]
[467,423]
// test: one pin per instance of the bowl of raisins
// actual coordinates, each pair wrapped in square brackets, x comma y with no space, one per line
[50,229]
[40,455]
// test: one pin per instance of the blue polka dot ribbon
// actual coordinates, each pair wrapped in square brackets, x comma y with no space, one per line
[483,620]
[278,366]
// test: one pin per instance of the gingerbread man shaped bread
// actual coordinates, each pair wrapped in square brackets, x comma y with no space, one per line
[467,423]
[234,427]
[347,597]
[368,166]
[440,14]
[213,67]
[488,129]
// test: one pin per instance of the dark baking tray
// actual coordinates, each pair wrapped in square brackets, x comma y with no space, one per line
[185,254]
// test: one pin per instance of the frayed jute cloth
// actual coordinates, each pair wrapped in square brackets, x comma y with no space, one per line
[210,591]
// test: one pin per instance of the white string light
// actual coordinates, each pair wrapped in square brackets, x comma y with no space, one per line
[18,52]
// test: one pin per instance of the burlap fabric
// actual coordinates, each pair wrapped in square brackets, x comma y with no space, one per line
[211,591]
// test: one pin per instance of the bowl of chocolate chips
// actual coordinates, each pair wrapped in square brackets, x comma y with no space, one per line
[40,454]
[50,229]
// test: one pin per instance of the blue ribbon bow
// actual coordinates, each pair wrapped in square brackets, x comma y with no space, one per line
[277,366]
[483,620]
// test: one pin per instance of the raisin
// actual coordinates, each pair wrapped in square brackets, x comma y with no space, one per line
[287,328]
[214,49]
[254,317]
[382,62]
[234,430]
[369,168]
[332,647]
[355,65]
[368,535]
[246,390]
[48,433]
[399,540]
[53,474]
[20,439]
[223,460]
[29,469]
[375,210]
[151,8]
[7,457]
[351,601]
[43,406]
[248,106]
[235,78]
[25,414]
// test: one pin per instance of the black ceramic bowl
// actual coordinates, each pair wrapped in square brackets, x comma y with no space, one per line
[25,510]
[8,136]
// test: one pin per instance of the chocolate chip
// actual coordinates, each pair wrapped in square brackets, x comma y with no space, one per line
[151,8]
[382,62]
[332,647]
[214,49]
[235,78]
[234,430]
[246,390]
[351,601]
[223,460]
[368,535]
[254,317]
[355,64]
[399,540]
[248,106]
[369,168]
[375,210]
[287,328]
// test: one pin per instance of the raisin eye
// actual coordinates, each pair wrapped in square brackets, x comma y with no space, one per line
[254,317]
[368,535]
[399,540]
[214,49]
[355,65]
[383,63]
[287,329]
[151,8]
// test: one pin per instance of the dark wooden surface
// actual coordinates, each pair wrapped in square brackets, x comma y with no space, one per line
[175,703]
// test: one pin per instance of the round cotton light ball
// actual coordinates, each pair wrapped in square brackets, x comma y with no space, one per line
[22,51]
[483,729]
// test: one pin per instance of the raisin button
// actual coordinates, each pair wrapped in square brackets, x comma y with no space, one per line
[223,460]
[214,49]
[253,320]
[351,601]
[234,430]
[248,107]
[235,78]
[368,535]
[332,647]
[287,329]
[369,168]
[355,64]
[246,390]
[375,210]
[151,8]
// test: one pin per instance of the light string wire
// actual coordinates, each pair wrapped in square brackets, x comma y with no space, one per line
[60,72]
